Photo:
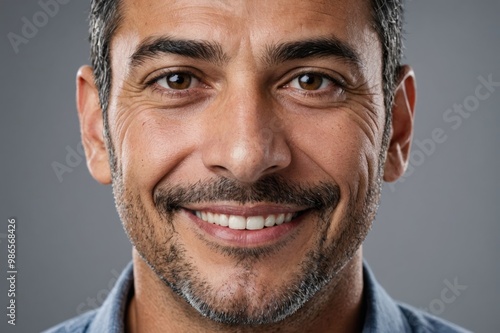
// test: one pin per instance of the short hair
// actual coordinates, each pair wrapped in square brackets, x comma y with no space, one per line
[387,21]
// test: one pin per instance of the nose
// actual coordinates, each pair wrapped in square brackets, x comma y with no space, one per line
[244,139]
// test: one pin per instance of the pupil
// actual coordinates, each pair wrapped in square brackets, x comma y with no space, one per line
[309,82]
[178,81]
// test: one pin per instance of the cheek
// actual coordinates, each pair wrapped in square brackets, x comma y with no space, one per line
[339,149]
[152,147]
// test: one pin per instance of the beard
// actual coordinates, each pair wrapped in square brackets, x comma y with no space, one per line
[154,236]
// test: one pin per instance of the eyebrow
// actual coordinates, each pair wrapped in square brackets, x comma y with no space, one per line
[158,46]
[275,54]
[312,48]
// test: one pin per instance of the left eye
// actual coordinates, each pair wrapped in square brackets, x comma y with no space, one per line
[178,81]
[310,82]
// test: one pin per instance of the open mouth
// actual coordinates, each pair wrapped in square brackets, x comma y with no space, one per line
[238,222]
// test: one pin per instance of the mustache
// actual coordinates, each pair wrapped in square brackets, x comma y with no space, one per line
[272,189]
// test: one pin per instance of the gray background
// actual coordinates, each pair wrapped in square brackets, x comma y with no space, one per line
[440,224]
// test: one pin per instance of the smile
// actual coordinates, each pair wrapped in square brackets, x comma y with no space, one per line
[246,226]
[238,222]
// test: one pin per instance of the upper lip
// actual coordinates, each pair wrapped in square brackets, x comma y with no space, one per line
[245,210]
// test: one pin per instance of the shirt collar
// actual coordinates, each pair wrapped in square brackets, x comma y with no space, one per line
[382,313]
[111,315]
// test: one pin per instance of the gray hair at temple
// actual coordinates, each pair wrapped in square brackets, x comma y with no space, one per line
[387,22]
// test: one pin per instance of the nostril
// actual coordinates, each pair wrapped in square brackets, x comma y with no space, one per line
[272,168]
[219,168]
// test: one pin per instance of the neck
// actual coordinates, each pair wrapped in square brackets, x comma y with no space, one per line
[337,308]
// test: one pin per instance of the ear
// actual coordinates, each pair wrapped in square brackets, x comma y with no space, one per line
[91,125]
[403,109]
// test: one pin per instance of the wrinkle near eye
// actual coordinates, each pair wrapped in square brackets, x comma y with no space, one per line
[366,118]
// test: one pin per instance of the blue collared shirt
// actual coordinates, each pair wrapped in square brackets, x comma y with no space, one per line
[383,314]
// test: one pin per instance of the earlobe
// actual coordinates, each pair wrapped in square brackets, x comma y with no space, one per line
[403,109]
[91,125]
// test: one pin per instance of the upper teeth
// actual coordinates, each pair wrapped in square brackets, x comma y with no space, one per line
[241,222]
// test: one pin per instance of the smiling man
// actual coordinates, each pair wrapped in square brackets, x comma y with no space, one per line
[246,142]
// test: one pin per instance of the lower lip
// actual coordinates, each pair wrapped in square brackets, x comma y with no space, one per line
[247,238]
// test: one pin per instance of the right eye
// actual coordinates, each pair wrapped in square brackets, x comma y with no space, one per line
[310,82]
[178,81]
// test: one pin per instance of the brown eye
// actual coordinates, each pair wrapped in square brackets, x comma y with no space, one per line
[178,81]
[310,81]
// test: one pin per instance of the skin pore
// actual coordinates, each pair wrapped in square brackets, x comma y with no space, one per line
[246,108]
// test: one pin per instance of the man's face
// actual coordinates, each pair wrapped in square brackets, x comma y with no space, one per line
[248,142]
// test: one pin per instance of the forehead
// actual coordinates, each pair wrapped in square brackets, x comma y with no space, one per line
[249,25]
[239,14]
